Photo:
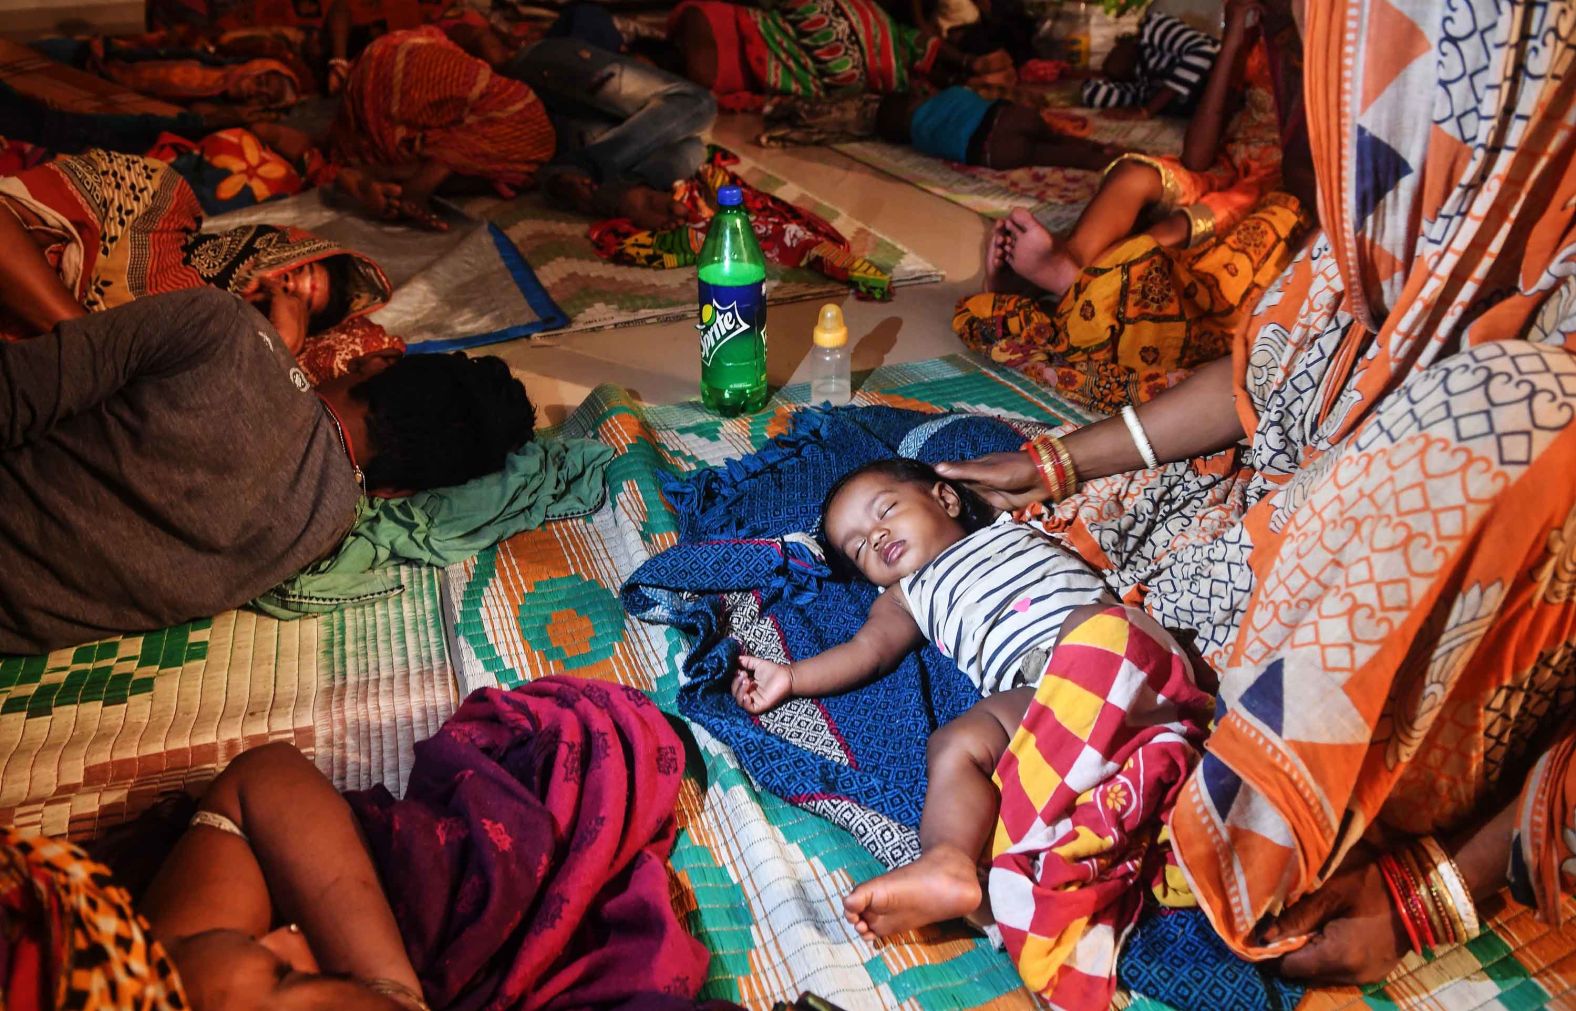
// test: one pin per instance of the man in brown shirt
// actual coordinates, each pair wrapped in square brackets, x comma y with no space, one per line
[167,460]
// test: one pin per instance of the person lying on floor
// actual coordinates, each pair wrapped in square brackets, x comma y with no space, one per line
[995,596]
[420,114]
[960,125]
[279,893]
[623,131]
[229,163]
[92,231]
[167,459]
[1230,161]
[628,129]
[248,77]
[1162,69]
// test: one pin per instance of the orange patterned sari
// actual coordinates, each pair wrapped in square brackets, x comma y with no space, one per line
[1405,637]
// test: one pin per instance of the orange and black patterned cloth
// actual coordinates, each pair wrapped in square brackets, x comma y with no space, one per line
[1143,315]
[69,938]
[1385,575]
[415,96]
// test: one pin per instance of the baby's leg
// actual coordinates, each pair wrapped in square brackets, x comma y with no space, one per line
[961,804]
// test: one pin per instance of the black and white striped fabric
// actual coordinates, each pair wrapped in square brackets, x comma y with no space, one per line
[995,595]
[1171,55]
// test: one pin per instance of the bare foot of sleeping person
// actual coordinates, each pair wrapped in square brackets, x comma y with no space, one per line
[943,884]
[1037,256]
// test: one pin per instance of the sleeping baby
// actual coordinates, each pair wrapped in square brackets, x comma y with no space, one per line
[995,596]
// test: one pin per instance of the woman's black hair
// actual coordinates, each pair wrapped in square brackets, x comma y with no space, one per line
[974,512]
[442,419]
[341,270]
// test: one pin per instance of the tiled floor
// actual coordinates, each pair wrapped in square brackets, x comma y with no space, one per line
[661,362]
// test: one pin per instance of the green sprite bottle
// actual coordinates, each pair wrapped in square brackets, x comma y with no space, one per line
[732,311]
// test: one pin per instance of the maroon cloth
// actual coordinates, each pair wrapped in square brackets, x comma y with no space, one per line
[527,862]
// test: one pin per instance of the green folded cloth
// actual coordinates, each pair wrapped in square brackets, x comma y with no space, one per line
[548,479]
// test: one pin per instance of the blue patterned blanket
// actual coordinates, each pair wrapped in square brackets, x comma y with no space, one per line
[747,570]
[1175,957]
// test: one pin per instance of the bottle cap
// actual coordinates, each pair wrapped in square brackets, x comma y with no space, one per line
[829,329]
[730,196]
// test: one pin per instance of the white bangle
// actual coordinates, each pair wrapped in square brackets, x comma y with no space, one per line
[1135,428]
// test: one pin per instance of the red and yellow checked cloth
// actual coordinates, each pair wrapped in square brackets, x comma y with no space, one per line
[1086,785]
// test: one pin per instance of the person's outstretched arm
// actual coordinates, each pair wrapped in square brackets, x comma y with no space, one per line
[1196,417]
[1205,130]
[887,635]
[302,860]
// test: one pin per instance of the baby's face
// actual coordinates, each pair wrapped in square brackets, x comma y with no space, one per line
[890,528]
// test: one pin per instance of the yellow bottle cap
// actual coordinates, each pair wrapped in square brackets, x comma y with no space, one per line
[829,329]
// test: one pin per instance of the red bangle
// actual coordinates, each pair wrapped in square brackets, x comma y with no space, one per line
[1392,874]
[1049,476]
[1439,926]
[1417,902]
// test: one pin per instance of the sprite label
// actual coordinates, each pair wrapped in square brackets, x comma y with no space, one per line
[731,316]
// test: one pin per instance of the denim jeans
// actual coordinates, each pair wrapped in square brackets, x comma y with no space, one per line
[618,120]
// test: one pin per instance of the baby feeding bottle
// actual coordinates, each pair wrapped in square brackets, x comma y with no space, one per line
[829,358]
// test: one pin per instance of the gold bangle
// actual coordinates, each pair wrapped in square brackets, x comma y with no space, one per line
[1438,927]
[1447,925]
[1040,449]
[1066,457]
[1454,885]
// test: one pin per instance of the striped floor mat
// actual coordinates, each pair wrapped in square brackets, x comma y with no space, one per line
[760,881]
[597,295]
[89,736]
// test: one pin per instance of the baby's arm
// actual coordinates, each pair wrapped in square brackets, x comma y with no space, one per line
[887,635]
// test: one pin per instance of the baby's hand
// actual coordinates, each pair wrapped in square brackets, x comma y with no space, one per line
[761,685]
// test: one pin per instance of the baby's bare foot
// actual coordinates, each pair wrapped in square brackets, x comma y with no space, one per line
[943,884]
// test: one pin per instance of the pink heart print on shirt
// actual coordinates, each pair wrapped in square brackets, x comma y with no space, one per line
[1021,604]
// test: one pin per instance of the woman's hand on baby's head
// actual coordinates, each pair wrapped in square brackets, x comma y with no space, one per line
[1008,481]
[760,686]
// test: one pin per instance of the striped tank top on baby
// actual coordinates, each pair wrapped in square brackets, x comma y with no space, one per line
[997,594]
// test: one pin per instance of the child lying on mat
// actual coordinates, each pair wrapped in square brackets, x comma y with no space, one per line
[992,594]
[962,126]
